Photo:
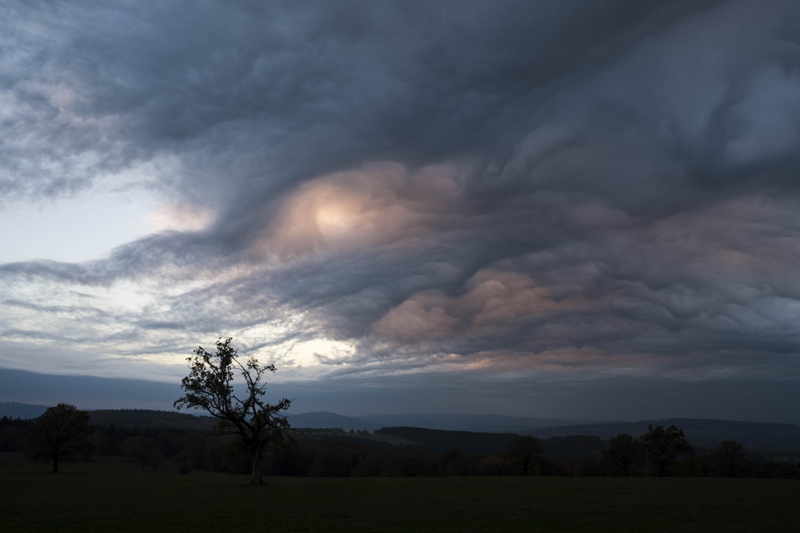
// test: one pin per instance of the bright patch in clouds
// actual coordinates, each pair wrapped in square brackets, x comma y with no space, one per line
[177,216]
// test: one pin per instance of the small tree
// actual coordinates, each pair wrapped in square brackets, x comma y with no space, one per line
[61,433]
[663,447]
[523,450]
[730,458]
[209,386]
[624,455]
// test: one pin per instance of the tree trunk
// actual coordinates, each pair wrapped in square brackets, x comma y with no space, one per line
[258,460]
[55,464]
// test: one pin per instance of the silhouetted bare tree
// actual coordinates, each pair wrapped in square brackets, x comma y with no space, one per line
[730,458]
[209,386]
[60,434]
[523,450]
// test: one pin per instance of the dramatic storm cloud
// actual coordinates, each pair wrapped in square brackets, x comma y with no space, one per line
[459,196]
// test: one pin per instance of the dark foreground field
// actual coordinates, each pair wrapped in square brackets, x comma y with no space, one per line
[111,495]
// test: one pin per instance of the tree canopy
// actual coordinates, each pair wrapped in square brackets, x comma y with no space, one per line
[663,447]
[60,434]
[730,458]
[209,386]
[625,455]
[523,450]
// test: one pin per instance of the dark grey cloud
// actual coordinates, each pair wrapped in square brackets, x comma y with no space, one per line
[556,187]
[248,88]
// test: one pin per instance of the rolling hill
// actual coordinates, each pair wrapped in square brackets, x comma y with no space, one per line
[323,419]
[21,410]
[699,432]
[148,418]
[705,433]
[465,422]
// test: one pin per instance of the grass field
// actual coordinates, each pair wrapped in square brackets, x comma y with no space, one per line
[112,495]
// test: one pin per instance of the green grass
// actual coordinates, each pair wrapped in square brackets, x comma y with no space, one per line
[112,495]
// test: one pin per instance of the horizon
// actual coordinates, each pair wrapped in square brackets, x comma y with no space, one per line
[559,210]
[561,423]
[108,397]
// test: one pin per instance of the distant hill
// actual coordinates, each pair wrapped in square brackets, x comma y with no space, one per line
[449,422]
[21,410]
[699,432]
[322,419]
[573,447]
[465,422]
[147,418]
[569,448]
[443,440]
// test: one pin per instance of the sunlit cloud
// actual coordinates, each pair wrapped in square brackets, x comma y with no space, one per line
[377,205]
[179,217]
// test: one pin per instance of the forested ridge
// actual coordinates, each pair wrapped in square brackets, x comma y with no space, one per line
[400,451]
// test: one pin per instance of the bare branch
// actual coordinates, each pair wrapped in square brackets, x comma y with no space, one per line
[209,386]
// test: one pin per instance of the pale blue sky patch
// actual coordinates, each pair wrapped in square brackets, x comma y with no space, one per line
[76,229]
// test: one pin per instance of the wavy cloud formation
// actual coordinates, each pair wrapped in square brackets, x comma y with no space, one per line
[381,189]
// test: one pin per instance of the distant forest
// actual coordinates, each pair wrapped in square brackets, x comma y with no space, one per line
[153,439]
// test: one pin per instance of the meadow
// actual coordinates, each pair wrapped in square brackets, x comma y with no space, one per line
[111,494]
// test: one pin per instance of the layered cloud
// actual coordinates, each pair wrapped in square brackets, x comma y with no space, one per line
[567,189]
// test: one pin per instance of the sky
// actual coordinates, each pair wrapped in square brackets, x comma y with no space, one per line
[570,209]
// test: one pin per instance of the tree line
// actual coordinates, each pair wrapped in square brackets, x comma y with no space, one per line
[336,453]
